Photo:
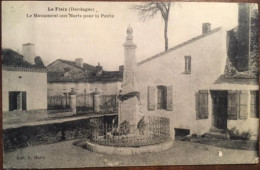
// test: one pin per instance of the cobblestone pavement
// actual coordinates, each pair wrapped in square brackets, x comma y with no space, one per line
[66,155]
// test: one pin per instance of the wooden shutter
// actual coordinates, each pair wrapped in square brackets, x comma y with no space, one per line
[203,104]
[189,64]
[254,111]
[151,97]
[233,104]
[243,104]
[169,106]
[24,100]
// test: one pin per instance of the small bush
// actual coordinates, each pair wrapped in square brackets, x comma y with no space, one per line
[236,135]
[246,135]
[124,128]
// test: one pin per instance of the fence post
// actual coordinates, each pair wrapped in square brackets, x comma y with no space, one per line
[73,101]
[85,98]
[97,100]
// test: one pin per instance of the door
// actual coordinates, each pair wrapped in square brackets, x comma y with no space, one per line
[219,106]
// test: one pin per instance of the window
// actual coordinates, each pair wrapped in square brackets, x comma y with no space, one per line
[254,110]
[187,64]
[161,97]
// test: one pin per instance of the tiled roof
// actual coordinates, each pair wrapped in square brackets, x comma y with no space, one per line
[85,65]
[13,59]
[179,46]
[236,80]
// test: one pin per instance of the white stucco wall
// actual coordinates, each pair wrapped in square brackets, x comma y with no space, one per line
[34,83]
[208,56]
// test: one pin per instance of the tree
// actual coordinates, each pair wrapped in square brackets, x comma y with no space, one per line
[150,9]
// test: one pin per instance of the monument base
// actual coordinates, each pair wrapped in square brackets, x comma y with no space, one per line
[129,112]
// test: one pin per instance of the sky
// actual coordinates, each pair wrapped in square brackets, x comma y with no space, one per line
[101,39]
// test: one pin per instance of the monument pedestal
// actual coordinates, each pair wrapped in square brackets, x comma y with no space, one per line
[129,112]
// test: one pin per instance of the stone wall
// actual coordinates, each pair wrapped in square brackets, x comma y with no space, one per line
[49,133]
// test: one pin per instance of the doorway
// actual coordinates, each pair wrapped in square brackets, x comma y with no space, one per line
[219,109]
[17,100]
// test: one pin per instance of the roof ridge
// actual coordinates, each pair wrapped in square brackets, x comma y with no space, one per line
[178,46]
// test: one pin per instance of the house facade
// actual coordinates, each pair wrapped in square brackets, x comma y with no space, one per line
[24,80]
[191,83]
[85,79]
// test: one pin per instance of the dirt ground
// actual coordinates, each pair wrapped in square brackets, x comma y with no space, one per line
[66,155]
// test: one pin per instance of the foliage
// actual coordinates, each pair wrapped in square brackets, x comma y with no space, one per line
[230,69]
[124,128]
[236,135]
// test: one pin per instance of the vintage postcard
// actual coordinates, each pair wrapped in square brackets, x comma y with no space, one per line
[114,84]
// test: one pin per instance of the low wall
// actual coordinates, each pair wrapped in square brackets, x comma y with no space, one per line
[25,136]
[24,116]
[128,150]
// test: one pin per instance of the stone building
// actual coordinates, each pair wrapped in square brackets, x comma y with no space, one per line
[24,80]
[192,85]
[85,79]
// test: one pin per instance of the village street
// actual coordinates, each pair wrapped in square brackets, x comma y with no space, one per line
[65,154]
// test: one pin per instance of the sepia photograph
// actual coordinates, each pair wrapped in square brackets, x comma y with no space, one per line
[119,84]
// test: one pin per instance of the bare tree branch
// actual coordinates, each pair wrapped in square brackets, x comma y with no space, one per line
[150,9]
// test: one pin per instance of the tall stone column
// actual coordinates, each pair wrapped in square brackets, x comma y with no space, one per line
[128,108]
[73,101]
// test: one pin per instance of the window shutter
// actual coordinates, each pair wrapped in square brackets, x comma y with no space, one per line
[203,104]
[189,64]
[254,111]
[243,104]
[151,97]
[233,101]
[169,98]
[24,101]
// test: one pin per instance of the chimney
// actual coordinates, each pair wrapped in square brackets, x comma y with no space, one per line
[206,28]
[99,70]
[79,62]
[243,35]
[28,52]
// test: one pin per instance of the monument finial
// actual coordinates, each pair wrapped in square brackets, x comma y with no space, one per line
[129,33]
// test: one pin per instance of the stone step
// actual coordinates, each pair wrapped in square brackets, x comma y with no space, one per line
[215,130]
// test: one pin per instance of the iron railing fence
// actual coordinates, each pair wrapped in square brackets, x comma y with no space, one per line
[156,130]
[108,103]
